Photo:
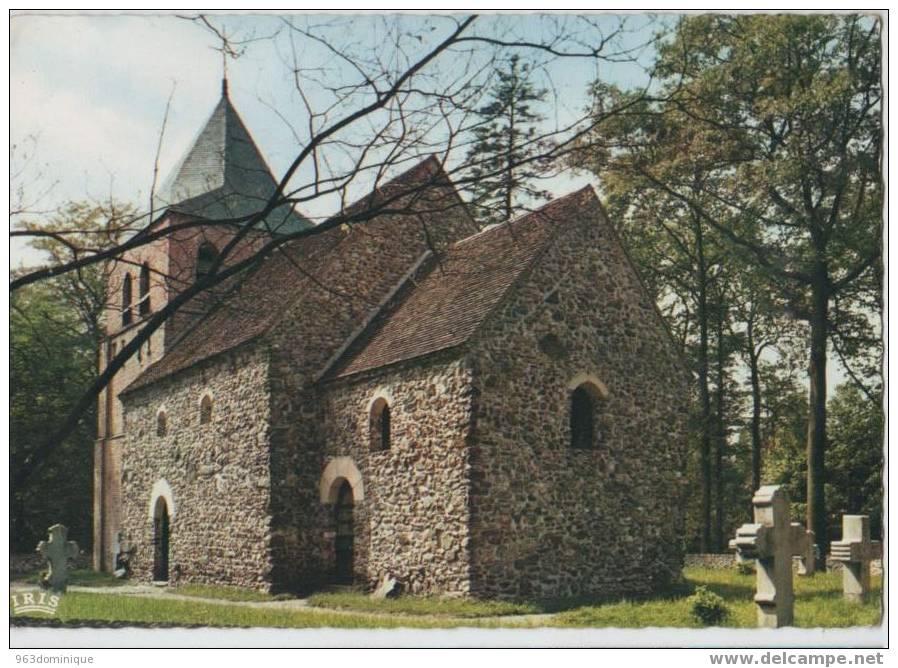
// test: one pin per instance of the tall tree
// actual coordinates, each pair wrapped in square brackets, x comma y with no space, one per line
[506,143]
[681,256]
[784,116]
[55,330]
[52,356]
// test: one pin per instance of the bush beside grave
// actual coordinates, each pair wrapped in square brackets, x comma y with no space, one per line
[707,607]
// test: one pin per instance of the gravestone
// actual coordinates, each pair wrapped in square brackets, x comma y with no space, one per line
[769,541]
[804,548]
[57,551]
[855,551]
[388,587]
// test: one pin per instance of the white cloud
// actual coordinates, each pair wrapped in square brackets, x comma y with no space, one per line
[95,94]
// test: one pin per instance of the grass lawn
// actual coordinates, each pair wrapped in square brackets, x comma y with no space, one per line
[83,606]
[421,605]
[818,603]
[227,593]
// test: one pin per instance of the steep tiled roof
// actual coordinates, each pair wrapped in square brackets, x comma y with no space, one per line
[223,175]
[258,301]
[454,294]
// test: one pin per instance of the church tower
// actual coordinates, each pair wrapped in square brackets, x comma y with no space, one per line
[221,181]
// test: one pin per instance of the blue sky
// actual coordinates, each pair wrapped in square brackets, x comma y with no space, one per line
[92,90]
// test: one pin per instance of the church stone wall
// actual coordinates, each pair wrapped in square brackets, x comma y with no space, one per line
[412,523]
[548,520]
[218,473]
[366,265]
[172,263]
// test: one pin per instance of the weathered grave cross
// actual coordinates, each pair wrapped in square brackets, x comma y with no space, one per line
[769,540]
[855,551]
[56,551]
[803,547]
[802,542]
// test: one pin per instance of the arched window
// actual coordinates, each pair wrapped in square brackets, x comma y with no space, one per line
[206,409]
[161,423]
[126,300]
[205,258]
[144,308]
[380,425]
[583,419]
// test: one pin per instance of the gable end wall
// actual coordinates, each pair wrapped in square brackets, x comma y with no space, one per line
[548,520]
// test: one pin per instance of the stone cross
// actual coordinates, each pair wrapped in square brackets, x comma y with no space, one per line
[57,551]
[769,541]
[855,551]
[803,546]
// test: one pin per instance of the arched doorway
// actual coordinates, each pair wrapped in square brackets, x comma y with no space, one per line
[160,540]
[344,535]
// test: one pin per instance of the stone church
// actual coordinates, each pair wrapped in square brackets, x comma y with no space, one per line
[492,412]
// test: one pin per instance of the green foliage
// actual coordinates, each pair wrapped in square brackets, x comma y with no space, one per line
[55,327]
[745,567]
[52,361]
[854,459]
[504,156]
[707,607]
[854,456]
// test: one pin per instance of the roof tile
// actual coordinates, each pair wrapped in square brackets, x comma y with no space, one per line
[454,294]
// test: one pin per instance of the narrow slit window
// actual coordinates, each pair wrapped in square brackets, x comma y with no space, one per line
[583,419]
[144,308]
[127,296]
[161,424]
[205,260]
[380,425]
[206,409]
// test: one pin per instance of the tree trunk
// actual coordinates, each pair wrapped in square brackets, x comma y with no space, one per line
[754,357]
[753,363]
[704,392]
[719,434]
[509,161]
[816,497]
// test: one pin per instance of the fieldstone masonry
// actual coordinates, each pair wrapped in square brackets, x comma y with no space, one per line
[477,343]
[216,474]
[855,552]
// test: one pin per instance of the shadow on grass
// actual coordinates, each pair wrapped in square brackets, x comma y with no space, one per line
[78,577]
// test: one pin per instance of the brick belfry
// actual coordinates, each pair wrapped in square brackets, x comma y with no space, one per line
[221,176]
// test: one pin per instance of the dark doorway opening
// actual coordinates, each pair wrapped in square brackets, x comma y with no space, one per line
[160,541]
[344,535]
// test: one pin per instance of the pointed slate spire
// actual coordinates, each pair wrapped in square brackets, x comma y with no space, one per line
[223,175]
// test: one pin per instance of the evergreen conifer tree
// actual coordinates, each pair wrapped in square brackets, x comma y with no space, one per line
[503,156]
